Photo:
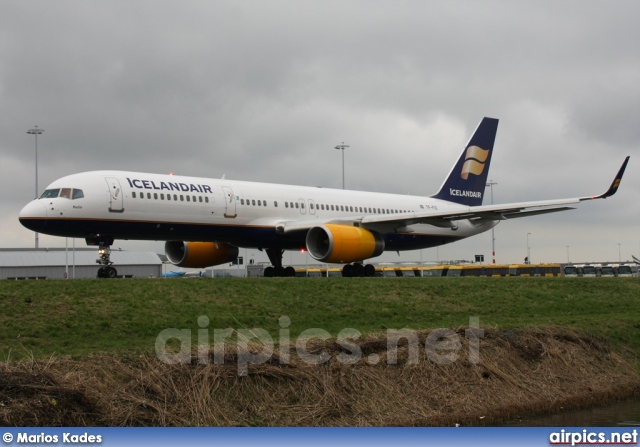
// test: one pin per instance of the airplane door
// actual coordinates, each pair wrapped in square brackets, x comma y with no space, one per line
[302,206]
[230,202]
[116,204]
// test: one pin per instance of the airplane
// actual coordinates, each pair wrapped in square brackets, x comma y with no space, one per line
[205,221]
[182,274]
[174,274]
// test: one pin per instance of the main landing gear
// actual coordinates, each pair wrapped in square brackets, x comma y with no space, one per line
[358,270]
[275,256]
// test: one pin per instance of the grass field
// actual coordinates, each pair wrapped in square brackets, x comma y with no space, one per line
[44,318]
[94,363]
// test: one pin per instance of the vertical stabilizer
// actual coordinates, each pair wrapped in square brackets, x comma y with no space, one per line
[467,180]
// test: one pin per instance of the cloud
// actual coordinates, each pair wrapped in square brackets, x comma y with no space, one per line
[264,91]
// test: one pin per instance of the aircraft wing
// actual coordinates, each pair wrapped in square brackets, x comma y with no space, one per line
[477,214]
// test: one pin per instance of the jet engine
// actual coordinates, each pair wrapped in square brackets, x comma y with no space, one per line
[199,254]
[343,243]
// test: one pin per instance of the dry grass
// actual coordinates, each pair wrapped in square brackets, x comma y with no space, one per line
[520,372]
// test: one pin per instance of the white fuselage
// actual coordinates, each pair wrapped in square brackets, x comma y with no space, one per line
[134,205]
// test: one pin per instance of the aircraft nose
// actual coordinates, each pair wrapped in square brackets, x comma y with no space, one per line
[34,216]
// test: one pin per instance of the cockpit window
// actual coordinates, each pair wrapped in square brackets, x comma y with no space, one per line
[65,193]
[50,194]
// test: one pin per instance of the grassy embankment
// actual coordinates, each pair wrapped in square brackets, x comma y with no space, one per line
[125,316]
[82,352]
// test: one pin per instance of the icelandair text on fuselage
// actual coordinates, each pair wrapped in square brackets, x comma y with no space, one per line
[169,186]
[459,193]
[66,438]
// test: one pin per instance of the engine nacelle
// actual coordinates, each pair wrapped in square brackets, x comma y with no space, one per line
[199,254]
[343,244]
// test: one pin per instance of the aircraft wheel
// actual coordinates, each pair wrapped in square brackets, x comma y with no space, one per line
[268,272]
[289,272]
[358,270]
[102,272]
[369,271]
[111,272]
[347,271]
[278,272]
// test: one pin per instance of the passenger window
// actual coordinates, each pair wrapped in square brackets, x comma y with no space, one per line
[168,196]
[194,198]
[200,199]
[155,195]
[148,195]
[161,196]
[188,199]
[302,205]
[286,204]
[206,199]
[331,207]
[311,205]
[275,204]
[259,202]
[175,197]
[181,198]
[253,202]
[65,193]
[77,194]
[133,194]
[296,204]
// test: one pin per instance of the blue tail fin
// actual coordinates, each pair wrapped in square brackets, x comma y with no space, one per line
[468,178]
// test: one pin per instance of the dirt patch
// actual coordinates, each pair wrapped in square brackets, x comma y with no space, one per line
[518,373]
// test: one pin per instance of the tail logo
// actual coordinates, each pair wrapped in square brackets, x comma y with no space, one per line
[474,163]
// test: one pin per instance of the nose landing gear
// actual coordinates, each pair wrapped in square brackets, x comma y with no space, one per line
[104,255]
[104,258]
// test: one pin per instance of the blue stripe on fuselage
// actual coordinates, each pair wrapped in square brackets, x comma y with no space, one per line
[241,236]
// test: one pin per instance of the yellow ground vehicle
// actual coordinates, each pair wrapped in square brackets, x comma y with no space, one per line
[478,270]
[408,272]
[464,270]
[435,270]
[535,270]
[386,272]
[315,272]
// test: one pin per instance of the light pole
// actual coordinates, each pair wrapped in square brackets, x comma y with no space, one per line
[619,255]
[493,235]
[342,147]
[528,250]
[35,131]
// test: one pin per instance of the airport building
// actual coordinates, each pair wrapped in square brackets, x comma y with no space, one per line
[58,263]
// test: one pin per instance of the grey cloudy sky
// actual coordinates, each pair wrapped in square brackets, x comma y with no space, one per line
[263,90]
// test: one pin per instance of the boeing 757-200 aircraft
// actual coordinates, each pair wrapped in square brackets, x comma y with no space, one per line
[204,221]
